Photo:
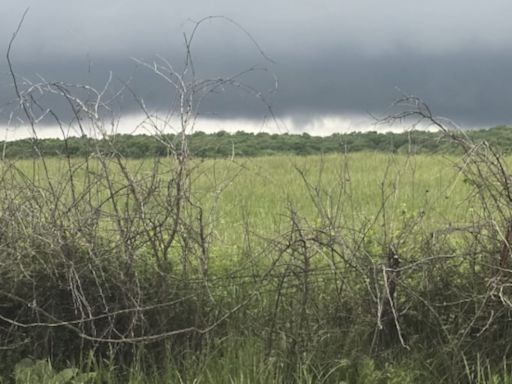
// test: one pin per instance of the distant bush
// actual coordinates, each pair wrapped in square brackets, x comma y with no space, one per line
[244,144]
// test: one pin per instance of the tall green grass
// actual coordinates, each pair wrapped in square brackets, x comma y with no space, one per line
[309,313]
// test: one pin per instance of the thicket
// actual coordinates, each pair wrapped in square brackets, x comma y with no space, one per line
[245,144]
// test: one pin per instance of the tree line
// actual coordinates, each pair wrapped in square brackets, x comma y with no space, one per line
[244,144]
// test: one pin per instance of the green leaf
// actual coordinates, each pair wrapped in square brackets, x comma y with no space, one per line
[64,376]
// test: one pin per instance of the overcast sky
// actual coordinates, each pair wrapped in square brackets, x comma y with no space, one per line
[335,61]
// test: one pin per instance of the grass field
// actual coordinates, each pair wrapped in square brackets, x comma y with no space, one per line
[367,268]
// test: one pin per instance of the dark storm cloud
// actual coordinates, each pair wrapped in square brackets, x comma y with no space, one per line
[472,87]
[331,57]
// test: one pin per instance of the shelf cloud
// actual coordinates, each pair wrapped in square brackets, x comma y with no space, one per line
[330,59]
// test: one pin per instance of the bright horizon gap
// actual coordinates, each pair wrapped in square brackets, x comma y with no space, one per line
[135,124]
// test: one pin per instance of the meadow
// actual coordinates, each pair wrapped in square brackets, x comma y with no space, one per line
[364,267]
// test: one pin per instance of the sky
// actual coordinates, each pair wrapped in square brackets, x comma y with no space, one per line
[317,66]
